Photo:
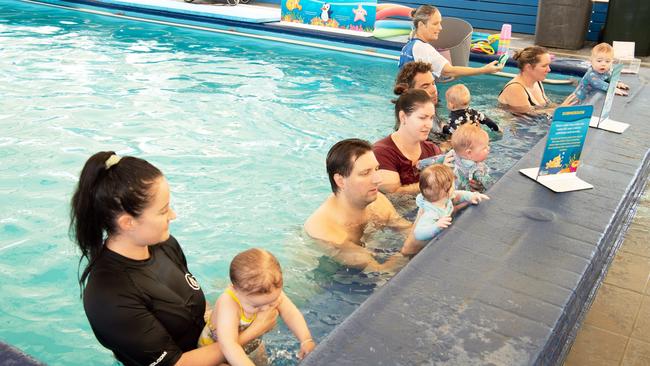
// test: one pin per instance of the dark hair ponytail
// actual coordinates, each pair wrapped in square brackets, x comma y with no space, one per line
[108,186]
[408,101]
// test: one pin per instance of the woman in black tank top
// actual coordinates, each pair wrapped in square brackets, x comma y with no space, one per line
[525,92]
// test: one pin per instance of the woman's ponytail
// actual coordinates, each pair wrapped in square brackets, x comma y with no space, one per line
[108,186]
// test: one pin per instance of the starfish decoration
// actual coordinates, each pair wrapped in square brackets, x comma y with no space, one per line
[360,14]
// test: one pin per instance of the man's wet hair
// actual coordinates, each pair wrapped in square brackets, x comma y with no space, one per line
[341,158]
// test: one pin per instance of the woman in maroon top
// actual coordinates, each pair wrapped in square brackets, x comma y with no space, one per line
[400,151]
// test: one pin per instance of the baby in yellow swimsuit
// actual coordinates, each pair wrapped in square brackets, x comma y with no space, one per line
[256,287]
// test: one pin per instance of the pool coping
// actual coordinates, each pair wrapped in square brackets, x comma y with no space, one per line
[515,287]
[12,356]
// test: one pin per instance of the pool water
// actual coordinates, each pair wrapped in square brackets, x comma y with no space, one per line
[240,128]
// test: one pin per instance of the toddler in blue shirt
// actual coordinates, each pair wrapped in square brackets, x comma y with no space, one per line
[436,201]
[598,75]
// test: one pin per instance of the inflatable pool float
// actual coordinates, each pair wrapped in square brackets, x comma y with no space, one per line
[392,28]
[383,33]
[392,10]
[393,24]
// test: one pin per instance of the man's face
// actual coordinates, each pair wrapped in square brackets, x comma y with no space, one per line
[426,82]
[361,186]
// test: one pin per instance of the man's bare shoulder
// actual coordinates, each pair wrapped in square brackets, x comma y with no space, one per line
[381,207]
[322,224]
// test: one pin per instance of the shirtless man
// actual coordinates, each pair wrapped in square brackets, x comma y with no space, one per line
[356,202]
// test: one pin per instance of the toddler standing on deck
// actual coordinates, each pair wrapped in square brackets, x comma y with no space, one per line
[436,204]
[597,76]
[458,98]
[256,287]
[470,146]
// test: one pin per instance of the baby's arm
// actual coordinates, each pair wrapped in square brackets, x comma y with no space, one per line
[488,122]
[598,83]
[467,196]
[429,225]
[482,175]
[438,159]
[227,320]
[297,324]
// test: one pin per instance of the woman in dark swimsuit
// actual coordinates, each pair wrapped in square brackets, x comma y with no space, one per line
[525,93]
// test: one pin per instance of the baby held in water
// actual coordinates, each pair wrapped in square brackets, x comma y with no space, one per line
[436,205]
[256,288]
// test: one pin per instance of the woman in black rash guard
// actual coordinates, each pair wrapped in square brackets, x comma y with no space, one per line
[141,300]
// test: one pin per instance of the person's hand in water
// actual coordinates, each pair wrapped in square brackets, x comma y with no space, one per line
[571,99]
[264,322]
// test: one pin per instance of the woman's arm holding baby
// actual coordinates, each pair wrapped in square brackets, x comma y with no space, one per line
[296,323]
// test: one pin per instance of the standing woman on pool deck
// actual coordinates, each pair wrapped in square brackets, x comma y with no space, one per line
[525,92]
[427,25]
[398,152]
[141,300]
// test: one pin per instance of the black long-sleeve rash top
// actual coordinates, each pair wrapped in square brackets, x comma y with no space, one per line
[147,312]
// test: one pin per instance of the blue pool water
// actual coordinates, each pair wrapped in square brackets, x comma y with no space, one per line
[239,127]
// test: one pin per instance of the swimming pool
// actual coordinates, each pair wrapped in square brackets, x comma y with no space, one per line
[240,128]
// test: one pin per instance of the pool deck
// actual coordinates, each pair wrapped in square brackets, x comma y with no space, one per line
[509,282]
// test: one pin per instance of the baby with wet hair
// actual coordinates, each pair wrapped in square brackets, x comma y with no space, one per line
[470,147]
[256,288]
[458,99]
[437,199]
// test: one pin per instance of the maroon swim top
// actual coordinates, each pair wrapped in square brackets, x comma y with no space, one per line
[391,158]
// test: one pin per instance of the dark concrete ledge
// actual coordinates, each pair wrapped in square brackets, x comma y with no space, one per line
[509,282]
[10,356]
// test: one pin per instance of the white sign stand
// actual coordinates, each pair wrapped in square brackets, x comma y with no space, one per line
[566,137]
[608,124]
[558,183]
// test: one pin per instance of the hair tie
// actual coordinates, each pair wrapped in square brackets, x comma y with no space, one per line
[112,160]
